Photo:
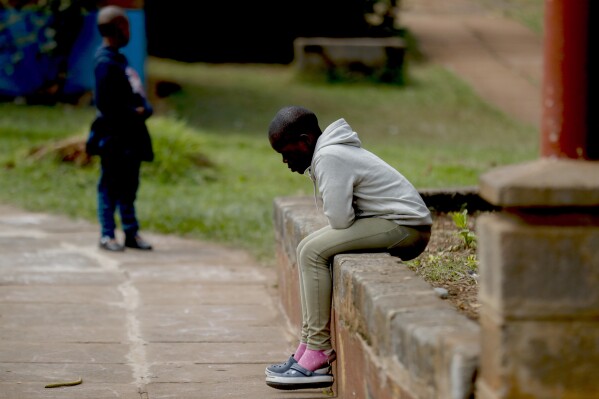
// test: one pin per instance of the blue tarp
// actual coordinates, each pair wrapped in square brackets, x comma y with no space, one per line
[27,63]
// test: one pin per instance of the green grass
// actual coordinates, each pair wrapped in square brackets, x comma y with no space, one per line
[215,175]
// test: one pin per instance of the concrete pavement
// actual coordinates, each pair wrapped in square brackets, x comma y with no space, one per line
[187,320]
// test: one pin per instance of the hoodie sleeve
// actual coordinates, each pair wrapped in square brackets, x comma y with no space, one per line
[336,186]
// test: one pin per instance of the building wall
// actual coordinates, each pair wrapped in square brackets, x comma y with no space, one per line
[32,61]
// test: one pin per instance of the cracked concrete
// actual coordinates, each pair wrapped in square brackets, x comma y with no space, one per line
[188,320]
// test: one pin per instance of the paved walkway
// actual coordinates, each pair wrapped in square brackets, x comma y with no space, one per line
[500,59]
[187,320]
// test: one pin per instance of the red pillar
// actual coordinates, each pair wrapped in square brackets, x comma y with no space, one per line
[565,127]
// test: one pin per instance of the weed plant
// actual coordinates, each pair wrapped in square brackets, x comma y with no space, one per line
[460,219]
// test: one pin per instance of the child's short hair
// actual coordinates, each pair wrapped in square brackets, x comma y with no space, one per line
[108,17]
[291,122]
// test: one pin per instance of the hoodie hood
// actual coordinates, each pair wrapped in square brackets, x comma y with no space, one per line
[339,132]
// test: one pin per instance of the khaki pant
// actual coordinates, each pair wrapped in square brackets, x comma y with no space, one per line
[316,251]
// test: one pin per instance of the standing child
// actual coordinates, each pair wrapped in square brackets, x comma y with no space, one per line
[121,137]
[370,207]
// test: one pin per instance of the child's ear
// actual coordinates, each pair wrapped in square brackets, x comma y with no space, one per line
[307,138]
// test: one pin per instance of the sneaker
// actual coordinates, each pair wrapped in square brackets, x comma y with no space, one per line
[298,377]
[110,244]
[286,365]
[138,243]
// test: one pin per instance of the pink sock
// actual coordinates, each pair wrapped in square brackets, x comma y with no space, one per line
[299,352]
[313,360]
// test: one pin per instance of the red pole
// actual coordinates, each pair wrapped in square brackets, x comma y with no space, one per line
[564,127]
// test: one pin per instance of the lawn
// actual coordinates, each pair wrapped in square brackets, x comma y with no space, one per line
[215,176]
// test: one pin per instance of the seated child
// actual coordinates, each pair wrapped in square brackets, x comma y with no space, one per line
[370,207]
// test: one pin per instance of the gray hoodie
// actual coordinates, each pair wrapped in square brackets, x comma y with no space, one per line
[355,183]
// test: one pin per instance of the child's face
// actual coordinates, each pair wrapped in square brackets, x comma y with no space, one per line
[123,32]
[296,154]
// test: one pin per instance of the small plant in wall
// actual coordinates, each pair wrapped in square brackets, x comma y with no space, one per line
[460,219]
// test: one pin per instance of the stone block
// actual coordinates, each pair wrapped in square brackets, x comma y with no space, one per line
[370,288]
[543,183]
[375,377]
[457,361]
[399,318]
[539,359]
[417,342]
[538,271]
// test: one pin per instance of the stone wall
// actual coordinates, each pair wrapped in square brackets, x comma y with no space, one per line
[539,270]
[394,337]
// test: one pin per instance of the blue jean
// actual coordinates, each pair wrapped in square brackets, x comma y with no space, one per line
[117,188]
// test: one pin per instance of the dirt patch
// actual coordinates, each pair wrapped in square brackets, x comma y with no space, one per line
[451,264]
[71,150]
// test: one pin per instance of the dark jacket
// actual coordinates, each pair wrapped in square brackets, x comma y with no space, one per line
[118,130]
